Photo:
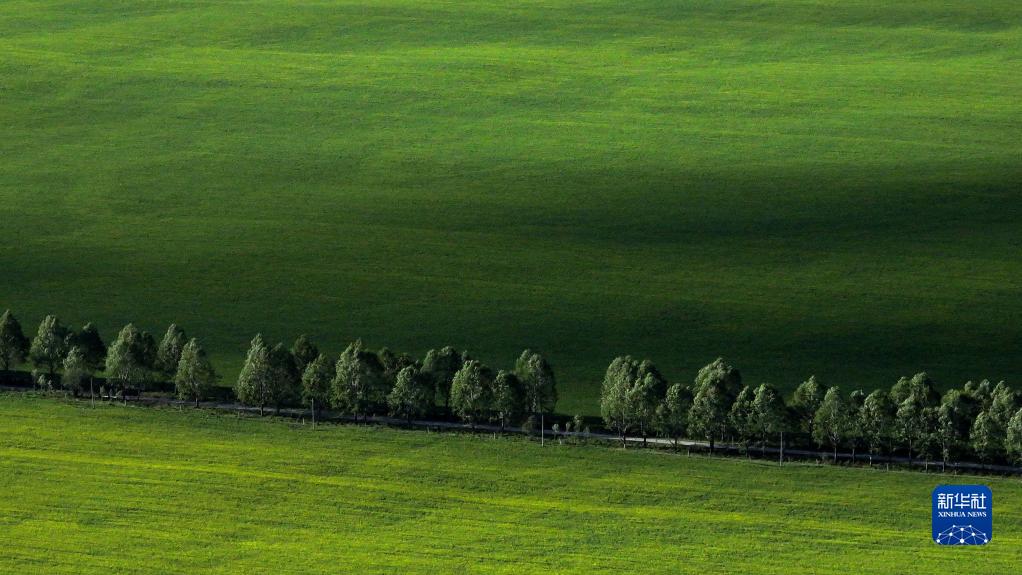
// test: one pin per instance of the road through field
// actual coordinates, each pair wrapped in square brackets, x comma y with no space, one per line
[305,415]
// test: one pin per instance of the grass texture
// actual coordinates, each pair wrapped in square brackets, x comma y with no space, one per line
[803,186]
[136,490]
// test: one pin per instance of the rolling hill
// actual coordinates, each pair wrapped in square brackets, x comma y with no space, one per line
[803,186]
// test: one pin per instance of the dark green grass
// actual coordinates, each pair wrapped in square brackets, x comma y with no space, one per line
[804,187]
[136,490]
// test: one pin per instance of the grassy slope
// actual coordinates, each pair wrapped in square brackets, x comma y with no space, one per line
[804,186]
[135,490]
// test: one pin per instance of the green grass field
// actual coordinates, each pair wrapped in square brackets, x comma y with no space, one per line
[136,490]
[812,186]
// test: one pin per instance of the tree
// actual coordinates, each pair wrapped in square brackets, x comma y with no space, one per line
[929,442]
[832,420]
[987,437]
[806,402]
[49,346]
[358,381]
[255,381]
[951,425]
[722,374]
[769,414]
[1003,404]
[304,352]
[1013,441]
[741,416]
[470,391]
[412,395]
[580,426]
[916,418]
[716,387]
[91,344]
[876,421]
[900,391]
[853,433]
[194,375]
[920,385]
[149,352]
[168,354]
[76,370]
[912,421]
[441,366]
[286,383]
[645,396]
[980,393]
[672,414]
[14,345]
[130,359]
[615,392]
[708,416]
[538,381]
[316,381]
[393,363]
[508,397]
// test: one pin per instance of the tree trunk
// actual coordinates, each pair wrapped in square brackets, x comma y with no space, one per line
[711,444]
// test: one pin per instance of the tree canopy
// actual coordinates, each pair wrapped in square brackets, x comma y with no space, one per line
[194,376]
[538,382]
[130,359]
[49,346]
[470,391]
[255,381]
[14,345]
[168,354]
[412,395]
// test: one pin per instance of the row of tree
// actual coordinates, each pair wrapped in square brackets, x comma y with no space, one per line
[362,382]
[69,358]
[913,418]
[979,420]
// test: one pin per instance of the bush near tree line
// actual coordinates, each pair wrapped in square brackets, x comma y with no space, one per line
[980,420]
